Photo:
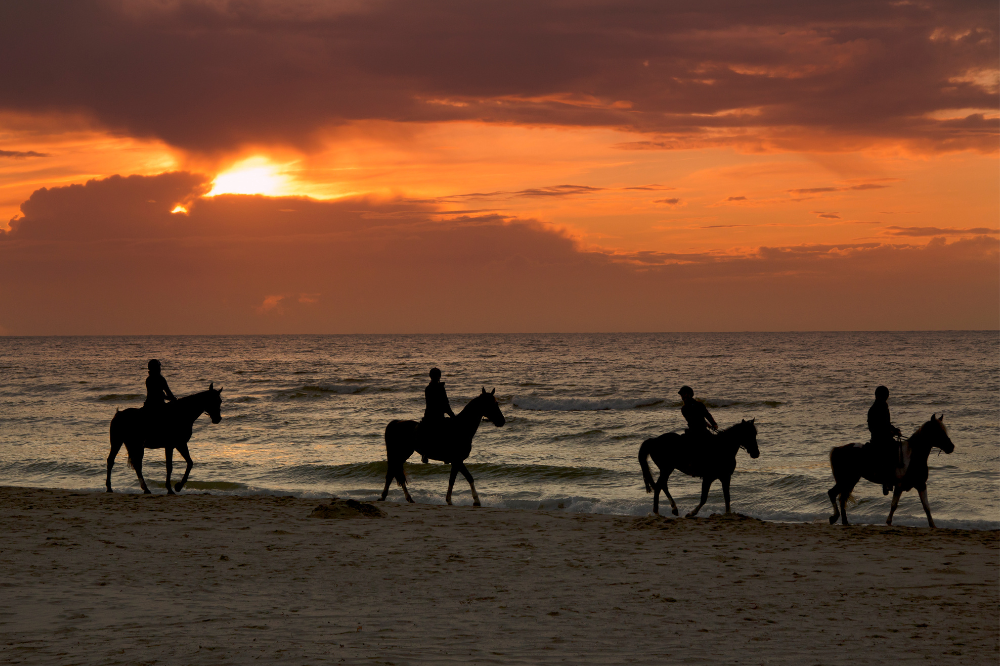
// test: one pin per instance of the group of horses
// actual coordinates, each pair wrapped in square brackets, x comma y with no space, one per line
[711,458]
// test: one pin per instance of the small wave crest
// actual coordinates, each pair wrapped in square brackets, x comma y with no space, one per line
[538,404]
[119,396]
[321,390]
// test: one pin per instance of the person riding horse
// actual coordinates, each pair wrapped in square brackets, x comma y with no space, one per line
[698,418]
[883,439]
[157,392]
[438,406]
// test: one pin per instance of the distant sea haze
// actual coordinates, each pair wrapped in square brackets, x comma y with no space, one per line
[305,415]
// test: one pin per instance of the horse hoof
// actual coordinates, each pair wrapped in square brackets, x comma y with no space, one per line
[410,500]
[674,511]
[833,520]
[177,487]
[476,503]
[380,499]
[146,491]
[109,490]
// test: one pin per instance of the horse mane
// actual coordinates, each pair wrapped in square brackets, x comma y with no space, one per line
[923,432]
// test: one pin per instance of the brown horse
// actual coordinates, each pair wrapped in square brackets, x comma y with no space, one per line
[452,445]
[852,462]
[712,458]
[130,427]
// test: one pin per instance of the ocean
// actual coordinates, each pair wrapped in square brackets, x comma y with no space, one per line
[305,415]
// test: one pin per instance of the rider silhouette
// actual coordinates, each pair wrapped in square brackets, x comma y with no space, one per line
[698,418]
[884,434]
[156,392]
[437,406]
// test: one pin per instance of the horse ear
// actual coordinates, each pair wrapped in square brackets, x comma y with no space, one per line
[753,419]
[219,391]
[743,420]
[493,392]
[211,385]
[484,390]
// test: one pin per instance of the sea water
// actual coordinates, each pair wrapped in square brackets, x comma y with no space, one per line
[306,415]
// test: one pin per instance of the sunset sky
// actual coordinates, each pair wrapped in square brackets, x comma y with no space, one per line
[304,166]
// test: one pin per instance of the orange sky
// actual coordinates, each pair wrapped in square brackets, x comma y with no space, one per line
[619,166]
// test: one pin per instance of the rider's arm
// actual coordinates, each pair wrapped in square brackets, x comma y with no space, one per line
[711,421]
[166,390]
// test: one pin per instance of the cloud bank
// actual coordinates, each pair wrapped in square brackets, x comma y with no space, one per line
[110,257]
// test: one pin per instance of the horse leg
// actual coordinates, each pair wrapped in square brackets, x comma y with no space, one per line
[115,448]
[451,482]
[725,491]
[832,494]
[183,450]
[705,485]
[135,458]
[169,453]
[656,497]
[388,480]
[472,486]
[401,479]
[922,491]
[897,492]
[664,477]
[845,492]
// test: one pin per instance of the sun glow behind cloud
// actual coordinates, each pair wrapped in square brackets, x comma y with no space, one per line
[254,175]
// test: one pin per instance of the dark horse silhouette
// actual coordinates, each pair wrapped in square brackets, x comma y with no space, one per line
[711,458]
[852,462]
[129,427]
[452,444]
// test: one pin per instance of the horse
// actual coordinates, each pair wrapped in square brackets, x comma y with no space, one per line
[129,427]
[851,462]
[711,459]
[452,445]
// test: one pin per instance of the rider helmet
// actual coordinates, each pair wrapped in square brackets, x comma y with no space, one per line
[686,392]
[881,393]
[435,374]
[153,365]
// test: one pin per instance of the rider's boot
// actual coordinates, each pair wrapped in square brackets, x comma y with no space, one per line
[423,459]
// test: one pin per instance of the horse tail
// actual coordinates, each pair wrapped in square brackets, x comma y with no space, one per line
[647,476]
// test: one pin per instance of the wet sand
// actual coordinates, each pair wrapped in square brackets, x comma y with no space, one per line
[90,578]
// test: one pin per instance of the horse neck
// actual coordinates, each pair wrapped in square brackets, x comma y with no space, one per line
[730,438]
[919,445]
[192,406]
[471,416]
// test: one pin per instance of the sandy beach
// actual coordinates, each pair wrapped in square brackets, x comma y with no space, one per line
[93,578]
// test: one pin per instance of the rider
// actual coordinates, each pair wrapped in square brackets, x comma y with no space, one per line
[156,392]
[437,406]
[883,436]
[698,418]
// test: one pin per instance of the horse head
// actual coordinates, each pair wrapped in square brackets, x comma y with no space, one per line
[491,408]
[213,403]
[937,434]
[748,437]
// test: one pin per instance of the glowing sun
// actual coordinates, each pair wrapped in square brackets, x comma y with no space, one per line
[255,175]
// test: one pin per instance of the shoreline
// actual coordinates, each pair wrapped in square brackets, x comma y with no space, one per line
[571,505]
[191,579]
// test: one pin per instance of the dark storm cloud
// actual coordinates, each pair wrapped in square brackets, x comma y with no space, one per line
[209,76]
